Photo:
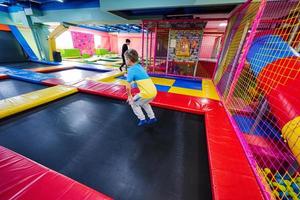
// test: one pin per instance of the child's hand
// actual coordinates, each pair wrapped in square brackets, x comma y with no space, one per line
[129,100]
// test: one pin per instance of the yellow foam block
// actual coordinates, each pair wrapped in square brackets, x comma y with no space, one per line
[23,102]
[291,134]
[163,81]
[107,76]
[209,90]
[186,91]
[115,81]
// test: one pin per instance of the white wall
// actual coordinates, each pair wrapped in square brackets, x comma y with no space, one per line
[64,41]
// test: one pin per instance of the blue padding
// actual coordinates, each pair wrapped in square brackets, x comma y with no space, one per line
[162,88]
[133,85]
[25,75]
[47,63]
[79,4]
[93,68]
[174,77]
[3,9]
[122,77]
[13,9]
[263,128]
[23,43]
[270,48]
[196,85]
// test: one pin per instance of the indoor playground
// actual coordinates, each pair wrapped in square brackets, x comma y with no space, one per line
[227,76]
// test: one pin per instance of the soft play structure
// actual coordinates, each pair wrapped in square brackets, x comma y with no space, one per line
[70,53]
[258,78]
[175,47]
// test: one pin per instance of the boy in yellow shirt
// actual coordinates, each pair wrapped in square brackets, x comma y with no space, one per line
[136,73]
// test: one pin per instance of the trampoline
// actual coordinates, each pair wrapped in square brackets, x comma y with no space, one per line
[11,88]
[73,75]
[95,141]
[26,65]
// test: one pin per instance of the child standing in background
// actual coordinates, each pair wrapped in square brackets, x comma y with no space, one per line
[124,49]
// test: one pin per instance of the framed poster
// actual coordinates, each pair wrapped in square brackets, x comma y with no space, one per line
[184,45]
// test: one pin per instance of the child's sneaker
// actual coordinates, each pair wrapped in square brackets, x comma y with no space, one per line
[142,122]
[151,121]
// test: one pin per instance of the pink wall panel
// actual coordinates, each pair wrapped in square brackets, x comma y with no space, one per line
[113,38]
[105,37]
[207,46]
[114,41]
[84,42]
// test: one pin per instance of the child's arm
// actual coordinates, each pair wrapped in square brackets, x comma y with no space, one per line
[128,90]
[130,79]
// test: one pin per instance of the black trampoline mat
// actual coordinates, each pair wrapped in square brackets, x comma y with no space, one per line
[11,88]
[74,74]
[96,141]
[26,65]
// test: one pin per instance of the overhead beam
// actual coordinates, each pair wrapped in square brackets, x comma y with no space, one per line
[109,5]
[85,16]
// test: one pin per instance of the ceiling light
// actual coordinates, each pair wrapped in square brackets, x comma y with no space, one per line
[223,24]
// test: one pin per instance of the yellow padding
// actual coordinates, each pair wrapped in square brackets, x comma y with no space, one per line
[105,63]
[209,90]
[107,76]
[291,134]
[185,91]
[23,102]
[115,81]
[163,81]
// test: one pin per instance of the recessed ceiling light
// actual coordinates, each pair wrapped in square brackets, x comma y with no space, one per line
[223,24]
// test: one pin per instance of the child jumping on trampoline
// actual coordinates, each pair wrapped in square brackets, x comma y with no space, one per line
[136,73]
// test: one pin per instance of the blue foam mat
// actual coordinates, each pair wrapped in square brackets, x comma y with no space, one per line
[263,128]
[162,88]
[196,85]
[93,68]
[25,75]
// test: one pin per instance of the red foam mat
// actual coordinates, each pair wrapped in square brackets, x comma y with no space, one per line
[231,175]
[3,76]
[24,179]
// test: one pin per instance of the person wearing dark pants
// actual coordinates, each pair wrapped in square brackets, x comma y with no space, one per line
[124,49]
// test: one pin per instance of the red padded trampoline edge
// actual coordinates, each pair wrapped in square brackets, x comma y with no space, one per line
[82,186]
[3,76]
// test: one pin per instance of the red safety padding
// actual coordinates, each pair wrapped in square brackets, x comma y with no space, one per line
[3,76]
[4,27]
[104,89]
[280,81]
[163,99]
[53,82]
[231,175]
[184,103]
[23,179]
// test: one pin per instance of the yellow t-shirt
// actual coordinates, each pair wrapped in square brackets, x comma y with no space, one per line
[146,86]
